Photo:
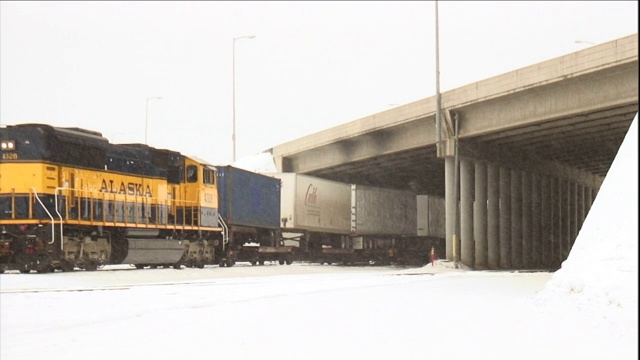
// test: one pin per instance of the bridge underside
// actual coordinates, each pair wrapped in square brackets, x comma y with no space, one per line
[579,126]
[535,154]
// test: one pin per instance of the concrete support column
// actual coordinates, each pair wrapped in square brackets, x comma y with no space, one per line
[450,205]
[505,218]
[480,216]
[594,194]
[546,224]
[556,246]
[516,219]
[527,247]
[493,216]
[565,216]
[573,214]
[466,212]
[588,200]
[581,206]
[536,221]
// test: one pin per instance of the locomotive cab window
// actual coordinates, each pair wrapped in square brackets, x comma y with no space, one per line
[208,176]
[192,173]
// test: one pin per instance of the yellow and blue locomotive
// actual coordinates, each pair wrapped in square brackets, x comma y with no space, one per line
[69,198]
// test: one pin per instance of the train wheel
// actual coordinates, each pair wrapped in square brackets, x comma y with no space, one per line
[289,261]
[139,266]
[281,262]
[24,271]
[44,263]
[91,266]
[177,266]
[66,266]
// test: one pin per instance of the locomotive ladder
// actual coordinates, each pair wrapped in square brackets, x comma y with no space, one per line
[225,231]
[53,221]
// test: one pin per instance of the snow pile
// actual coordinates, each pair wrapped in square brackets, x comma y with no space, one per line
[601,273]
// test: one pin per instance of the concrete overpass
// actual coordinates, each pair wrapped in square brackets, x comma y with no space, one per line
[533,144]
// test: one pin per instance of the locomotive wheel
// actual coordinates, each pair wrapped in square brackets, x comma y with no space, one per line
[24,271]
[91,266]
[177,266]
[66,266]
[281,262]
[139,266]
[44,264]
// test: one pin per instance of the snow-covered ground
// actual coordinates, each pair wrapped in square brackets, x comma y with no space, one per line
[586,310]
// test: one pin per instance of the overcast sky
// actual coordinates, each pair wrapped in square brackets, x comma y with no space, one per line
[311,66]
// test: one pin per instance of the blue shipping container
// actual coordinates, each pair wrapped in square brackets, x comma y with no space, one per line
[248,199]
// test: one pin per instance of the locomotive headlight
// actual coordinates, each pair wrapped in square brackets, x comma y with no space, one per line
[8,145]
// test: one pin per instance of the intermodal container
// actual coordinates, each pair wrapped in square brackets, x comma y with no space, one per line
[314,204]
[381,211]
[247,198]
[431,218]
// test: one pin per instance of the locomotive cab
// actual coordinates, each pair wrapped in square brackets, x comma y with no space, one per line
[200,194]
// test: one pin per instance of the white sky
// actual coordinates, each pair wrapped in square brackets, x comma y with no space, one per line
[313,65]
[586,310]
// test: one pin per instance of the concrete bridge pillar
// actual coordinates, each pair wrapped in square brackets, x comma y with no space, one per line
[466,212]
[581,206]
[450,205]
[546,223]
[516,219]
[536,221]
[588,200]
[505,218]
[493,216]
[573,213]
[556,246]
[480,215]
[565,216]
[527,247]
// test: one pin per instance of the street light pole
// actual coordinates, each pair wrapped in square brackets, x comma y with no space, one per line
[146,116]
[233,134]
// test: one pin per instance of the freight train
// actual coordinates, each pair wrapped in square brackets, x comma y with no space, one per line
[71,199]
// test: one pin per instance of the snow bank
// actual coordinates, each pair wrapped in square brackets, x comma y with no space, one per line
[601,271]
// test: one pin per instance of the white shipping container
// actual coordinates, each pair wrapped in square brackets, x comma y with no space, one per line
[314,204]
[431,216]
[380,211]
